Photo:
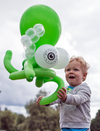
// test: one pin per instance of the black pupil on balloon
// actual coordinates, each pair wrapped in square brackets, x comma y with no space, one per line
[51,56]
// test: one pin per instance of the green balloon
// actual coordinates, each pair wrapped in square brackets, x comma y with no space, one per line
[38,14]
[42,14]
[7,62]
[53,97]
[42,76]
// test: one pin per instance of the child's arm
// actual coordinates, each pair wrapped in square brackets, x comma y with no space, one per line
[55,102]
[82,96]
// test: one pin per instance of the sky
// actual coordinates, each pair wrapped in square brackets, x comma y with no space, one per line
[80,36]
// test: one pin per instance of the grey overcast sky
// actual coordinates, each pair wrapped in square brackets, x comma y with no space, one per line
[80,21]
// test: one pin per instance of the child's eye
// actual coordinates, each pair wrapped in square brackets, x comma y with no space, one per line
[75,69]
[68,70]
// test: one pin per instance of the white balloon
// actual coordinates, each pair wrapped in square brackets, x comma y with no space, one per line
[63,59]
[39,29]
[23,54]
[30,32]
[46,56]
[29,53]
[32,35]
[35,38]
[26,41]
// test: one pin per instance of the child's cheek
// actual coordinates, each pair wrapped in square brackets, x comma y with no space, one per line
[66,75]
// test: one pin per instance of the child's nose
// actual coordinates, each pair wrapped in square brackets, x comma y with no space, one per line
[71,71]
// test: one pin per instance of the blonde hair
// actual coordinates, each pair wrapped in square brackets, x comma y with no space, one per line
[84,65]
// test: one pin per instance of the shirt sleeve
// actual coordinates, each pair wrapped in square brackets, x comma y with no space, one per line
[83,95]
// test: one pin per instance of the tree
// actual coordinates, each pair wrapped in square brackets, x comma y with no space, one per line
[42,117]
[20,118]
[0,123]
[7,120]
[95,123]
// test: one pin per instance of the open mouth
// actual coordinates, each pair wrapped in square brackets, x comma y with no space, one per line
[71,77]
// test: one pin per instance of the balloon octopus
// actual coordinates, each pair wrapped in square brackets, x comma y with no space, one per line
[40,30]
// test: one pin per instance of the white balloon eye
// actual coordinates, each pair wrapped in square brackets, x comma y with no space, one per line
[63,59]
[46,56]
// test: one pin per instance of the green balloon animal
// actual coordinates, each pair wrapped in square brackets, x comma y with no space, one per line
[40,30]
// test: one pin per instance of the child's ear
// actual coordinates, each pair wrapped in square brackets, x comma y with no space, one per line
[84,76]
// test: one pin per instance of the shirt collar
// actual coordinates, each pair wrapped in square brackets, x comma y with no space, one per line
[70,87]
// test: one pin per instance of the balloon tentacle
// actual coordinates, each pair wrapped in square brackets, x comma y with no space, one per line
[39,81]
[29,71]
[53,97]
[7,62]
[39,72]
[42,74]
[17,75]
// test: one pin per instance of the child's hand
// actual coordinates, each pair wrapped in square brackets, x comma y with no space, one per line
[62,94]
[38,100]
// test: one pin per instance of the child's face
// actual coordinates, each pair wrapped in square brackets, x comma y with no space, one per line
[74,74]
